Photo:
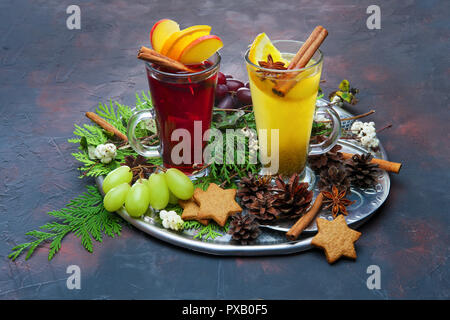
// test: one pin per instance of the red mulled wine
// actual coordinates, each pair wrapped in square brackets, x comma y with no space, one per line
[183,101]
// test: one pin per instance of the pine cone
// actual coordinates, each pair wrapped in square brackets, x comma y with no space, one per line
[361,172]
[244,228]
[323,161]
[262,206]
[250,187]
[292,198]
[335,175]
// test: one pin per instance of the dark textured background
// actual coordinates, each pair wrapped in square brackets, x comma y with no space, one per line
[49,76]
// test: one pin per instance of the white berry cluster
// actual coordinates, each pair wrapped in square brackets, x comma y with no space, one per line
[105,152]
[337,101]
[171,220]
[252,138]
[366,134]
[319,117]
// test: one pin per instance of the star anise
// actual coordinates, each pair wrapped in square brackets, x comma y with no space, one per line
[270,64]
[132,161]
[337,201]
[139,166]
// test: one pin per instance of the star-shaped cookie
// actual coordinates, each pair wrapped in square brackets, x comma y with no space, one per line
[216,203]
[336,238]
[190,211]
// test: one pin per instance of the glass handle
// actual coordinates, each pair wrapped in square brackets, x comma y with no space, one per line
[135,143]
[330,142]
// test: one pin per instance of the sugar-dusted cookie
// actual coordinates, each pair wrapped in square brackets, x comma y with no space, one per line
[216,203]
[336,238]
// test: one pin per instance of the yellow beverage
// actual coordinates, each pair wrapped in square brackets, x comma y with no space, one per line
[291,114]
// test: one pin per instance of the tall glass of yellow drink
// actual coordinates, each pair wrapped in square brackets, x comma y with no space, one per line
[291,113]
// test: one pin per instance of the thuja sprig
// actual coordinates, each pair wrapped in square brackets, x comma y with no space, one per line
[84,216]
[210,231]
[91,135]
[221,172]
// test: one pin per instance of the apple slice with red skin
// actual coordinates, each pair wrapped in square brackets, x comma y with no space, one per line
[182,42]
[179,37]
[200,49]
[161,31]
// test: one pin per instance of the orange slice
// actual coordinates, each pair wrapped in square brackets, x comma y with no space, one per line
[261,48]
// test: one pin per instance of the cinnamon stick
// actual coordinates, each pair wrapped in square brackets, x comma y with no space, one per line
[300,60]
[382,164]
[155,57]
[105,125]
[305,220]
[354,117]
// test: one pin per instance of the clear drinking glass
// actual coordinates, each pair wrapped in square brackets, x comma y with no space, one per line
[182,106]
[291,114]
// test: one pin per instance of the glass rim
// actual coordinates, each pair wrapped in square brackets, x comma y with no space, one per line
[285,71]
[183,75]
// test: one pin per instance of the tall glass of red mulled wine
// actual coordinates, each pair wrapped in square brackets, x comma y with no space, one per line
[182,107]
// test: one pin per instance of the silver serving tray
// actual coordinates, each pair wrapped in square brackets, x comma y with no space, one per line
[272,240]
